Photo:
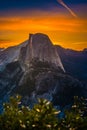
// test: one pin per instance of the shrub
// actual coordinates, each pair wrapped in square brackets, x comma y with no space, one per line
[42,116]
[17,117]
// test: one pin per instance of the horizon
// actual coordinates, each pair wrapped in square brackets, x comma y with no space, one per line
[49,38]
[65,23]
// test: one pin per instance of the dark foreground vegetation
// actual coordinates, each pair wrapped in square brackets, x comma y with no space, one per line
[43,116]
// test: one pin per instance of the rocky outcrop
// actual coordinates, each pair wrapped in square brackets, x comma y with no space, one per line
[44,81]
[40,47]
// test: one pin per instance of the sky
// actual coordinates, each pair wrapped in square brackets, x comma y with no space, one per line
[64,21]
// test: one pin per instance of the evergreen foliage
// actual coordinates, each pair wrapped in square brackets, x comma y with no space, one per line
[43,116]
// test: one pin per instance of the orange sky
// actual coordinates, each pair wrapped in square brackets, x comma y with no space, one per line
[62,29]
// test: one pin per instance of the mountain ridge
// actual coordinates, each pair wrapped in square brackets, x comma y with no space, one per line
[75,62]
[35,69]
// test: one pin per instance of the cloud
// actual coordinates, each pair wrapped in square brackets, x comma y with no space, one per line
[55,23]
[4,40]
[69,9]
[80,43]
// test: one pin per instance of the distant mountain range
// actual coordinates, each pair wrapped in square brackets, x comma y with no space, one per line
[38,69]
[74,62]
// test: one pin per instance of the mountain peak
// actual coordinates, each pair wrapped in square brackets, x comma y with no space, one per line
[40,38]
[38,35]
[40,47]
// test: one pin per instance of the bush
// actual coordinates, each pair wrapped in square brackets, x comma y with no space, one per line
[75,118]
[42,116]
[17,117]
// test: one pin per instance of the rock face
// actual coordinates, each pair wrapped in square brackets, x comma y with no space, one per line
[45,81]
[40,47]
[34,69]
[11,54]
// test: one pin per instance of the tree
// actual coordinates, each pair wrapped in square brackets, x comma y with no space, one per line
[75,118]
[18,117]
[43,116]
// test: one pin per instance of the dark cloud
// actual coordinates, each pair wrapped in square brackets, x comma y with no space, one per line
[23,4]
[4,40]
[7,21]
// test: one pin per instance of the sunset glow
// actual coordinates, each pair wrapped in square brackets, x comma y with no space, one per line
[62,28]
